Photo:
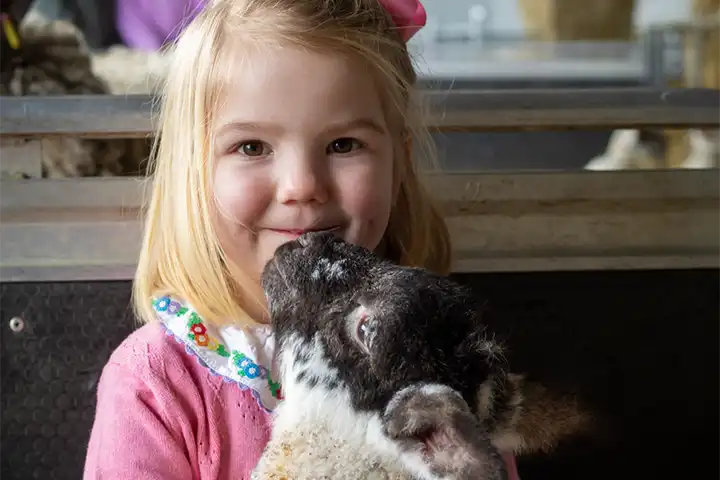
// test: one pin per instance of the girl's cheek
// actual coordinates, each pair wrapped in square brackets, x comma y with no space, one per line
[369,182]
[240,195]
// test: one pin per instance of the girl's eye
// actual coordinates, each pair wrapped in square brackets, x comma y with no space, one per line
[343,146]
[252,149]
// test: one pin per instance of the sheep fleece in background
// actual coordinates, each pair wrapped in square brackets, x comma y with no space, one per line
[57,61]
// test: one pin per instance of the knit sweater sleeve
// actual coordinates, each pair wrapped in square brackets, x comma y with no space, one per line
[143,425]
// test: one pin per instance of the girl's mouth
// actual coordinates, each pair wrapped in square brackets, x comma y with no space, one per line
[296,232]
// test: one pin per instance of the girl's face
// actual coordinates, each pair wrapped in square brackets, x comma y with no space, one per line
[301,143]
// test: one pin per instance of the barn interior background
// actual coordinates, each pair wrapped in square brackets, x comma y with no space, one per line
[581,190]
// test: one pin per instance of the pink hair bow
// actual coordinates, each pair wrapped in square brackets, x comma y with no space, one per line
[409,16]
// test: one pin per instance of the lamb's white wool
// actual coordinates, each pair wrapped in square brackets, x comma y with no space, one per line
[331,270]
[317,433]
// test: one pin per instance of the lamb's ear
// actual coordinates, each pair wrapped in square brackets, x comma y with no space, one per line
[525,417]
[500,400]
[522,416]
[438,436]
[499,395]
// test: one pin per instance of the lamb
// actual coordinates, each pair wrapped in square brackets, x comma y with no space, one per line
[388,372]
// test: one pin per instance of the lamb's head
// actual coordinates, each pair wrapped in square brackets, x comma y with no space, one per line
[402,343]
[380,326]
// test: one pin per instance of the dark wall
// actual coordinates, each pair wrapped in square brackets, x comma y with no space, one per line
[640,347]
[50,371]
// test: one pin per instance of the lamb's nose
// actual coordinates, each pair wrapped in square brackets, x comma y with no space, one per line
[308,238]
[303,240]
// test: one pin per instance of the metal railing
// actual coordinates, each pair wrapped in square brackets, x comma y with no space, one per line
[467,110]
[89,228]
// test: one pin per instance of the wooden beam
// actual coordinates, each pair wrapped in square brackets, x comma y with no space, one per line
[467,110]
[697,24]
[90,229]
[103,116]
[21,156]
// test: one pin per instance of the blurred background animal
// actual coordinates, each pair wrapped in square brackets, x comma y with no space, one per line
[54,59]
[630,149]
[704,149]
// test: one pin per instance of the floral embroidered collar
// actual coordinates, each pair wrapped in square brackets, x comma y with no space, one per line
[241,355]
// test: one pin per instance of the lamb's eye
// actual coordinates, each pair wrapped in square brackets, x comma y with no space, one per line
[363,331]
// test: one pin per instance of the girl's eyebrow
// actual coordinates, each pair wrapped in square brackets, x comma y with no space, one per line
[360,123]
[248,127]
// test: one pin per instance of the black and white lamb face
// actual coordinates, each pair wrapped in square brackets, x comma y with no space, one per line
[377,327]
[361,338]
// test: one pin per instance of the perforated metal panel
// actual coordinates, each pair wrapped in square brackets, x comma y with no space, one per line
[640,347]
[50,369]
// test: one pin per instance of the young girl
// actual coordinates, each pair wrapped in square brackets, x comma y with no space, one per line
[278,117]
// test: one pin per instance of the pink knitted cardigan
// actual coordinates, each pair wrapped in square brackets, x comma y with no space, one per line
[179,399]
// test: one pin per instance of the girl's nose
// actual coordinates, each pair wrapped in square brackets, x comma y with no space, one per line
[302,180]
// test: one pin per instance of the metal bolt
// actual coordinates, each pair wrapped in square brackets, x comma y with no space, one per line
[17,324]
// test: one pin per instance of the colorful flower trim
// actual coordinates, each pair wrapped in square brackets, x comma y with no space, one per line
[198,334]
[249,369]
[210,346]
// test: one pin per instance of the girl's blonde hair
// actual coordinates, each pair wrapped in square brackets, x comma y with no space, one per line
[180,252]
